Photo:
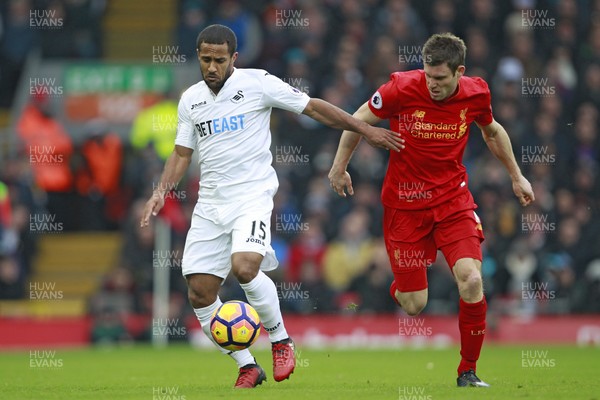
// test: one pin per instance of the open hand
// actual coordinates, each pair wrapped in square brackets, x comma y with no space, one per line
[383,138]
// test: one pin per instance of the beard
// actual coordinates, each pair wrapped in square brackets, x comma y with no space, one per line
[216,85]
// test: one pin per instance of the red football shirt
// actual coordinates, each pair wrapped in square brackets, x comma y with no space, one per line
[429,171]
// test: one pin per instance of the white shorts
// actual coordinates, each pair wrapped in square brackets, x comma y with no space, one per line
[219,230]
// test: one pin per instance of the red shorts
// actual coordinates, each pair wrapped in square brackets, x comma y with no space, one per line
[412,238]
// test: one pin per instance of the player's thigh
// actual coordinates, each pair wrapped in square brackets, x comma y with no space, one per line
[251,239]
[459,236]
[207,249]
[410,262]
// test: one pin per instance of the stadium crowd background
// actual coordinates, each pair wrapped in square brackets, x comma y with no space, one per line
[540,58]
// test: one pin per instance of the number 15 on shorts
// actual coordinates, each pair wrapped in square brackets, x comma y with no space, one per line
[258,232]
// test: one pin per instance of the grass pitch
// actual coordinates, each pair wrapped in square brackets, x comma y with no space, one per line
[182,373]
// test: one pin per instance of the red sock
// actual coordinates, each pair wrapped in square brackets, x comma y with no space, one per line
[471,324]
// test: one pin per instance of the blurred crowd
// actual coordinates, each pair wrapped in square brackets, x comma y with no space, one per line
[540,58]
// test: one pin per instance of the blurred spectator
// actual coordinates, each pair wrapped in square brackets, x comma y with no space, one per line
[17,40]
[108,328]
[11,276]
[49,149]
[155,128]
[246,27]
[11,282]
[350,253]
[98,178]
[192,21]
[137,254]
[78,31]
[372,286]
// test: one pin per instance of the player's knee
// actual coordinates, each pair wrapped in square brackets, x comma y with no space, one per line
[471,282]
[245,271]
[413,307]
[200,299]
[245,266]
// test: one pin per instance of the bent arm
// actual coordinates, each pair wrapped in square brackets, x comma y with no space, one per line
[497,140]
[333,116]
[174,169]
[350,139]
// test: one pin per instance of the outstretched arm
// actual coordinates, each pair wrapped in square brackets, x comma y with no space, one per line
[339,178]
[336,118]
[498,142]
[175,167]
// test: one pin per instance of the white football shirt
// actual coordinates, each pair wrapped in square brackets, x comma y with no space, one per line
[231,132]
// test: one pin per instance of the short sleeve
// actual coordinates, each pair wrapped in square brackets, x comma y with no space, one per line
[485,117]
[186,134]
[279,94]
[384,103]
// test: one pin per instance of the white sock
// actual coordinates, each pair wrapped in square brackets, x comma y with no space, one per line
[204,315]
[262,295]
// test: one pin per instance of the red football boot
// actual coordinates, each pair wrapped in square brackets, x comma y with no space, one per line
[250,376]
[284,359]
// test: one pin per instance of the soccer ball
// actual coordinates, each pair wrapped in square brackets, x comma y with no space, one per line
[235,325]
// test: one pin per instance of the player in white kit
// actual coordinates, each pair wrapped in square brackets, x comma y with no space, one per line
[226,119]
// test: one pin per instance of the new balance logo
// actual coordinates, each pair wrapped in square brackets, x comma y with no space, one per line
[238,97]
[198,104]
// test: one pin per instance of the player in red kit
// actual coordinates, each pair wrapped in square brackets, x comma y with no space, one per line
[427,203]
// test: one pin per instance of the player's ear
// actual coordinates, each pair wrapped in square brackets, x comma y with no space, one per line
[460,70]
[234,56]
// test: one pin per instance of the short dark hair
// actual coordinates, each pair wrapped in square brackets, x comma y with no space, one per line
[217,34]
[444,48]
